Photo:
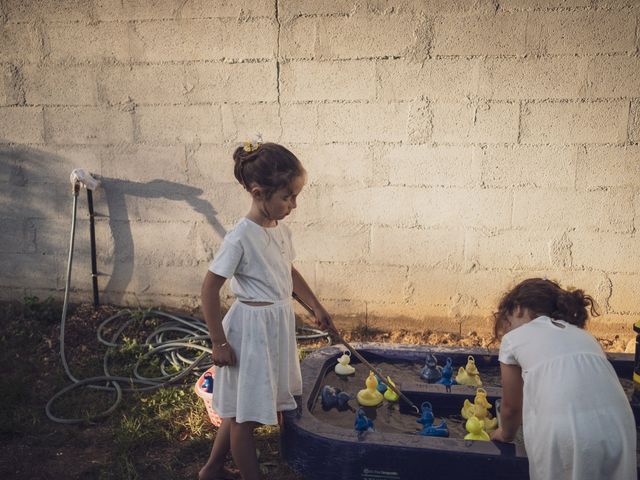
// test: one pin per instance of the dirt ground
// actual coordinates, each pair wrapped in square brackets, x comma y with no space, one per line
[40,449]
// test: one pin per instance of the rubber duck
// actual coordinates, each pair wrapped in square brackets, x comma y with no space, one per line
[331,397]
[480,409]
[382,387]
[431,372]
[469,374]
[343,367]
[363,423]
[427,418]
[370,396]
[389,394]
[475,428]
[447,375]
[207,384]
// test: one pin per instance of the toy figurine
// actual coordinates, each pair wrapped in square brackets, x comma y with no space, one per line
[363,423]
[469,374]
[389,393]
[370,396]
[428,429]
[431,372]
[207,384]
[447,374]
[331,397]
[343,367]
[382,387]
[475,428]
[480,409]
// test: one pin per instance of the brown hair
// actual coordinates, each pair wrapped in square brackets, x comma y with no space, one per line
[544,297]
[268,165]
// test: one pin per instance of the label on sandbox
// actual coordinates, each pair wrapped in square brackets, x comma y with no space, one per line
[369,474]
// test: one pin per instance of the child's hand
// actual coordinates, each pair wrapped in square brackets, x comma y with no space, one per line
[223,355]
[324,321]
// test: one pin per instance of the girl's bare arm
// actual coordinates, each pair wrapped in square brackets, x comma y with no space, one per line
[302,289]
[511,405]
[222,352]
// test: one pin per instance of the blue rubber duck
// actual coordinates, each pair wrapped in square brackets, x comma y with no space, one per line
[428,428]
[447,375]
[431,372]
[363,423]
[382,387]
[332,397]
[207,384]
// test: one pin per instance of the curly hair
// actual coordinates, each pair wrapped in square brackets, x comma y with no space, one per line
[544,297]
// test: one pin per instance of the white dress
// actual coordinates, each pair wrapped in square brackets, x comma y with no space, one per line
[577,422]
[267,373]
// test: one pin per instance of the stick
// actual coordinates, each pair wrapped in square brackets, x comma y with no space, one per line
[356,354]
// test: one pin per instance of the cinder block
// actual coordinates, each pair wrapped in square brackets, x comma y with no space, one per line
[609,166]
[17,235]
[228,8]
[575,122]
[311,80]
[616,253]
[170,9]
[179,124]
[363,282]
[451,78]
[344,164]
[59,85]
[11,90]
[581,32]
[242,121]
[208,165]
[36,201]
[63,40]
[487,122]
[522,250]
[31,270]
[20,43]
[204,39]
[356,122]
[521,165]
[327,243]
[624,293]
[532,78]
[21,125]
[169,280]
[299,122]
[348,37]
[542,4]
[143,84]
[432,248]
[87,125]
[146,164]
[456,207]
[236,82]
[431,166]
[608,211]
[613,76]
[496,34]
[48,11]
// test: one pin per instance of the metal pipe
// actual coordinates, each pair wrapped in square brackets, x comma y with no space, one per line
[92,236]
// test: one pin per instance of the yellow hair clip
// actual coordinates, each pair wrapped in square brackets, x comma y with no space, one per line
[248,147]
[252,145]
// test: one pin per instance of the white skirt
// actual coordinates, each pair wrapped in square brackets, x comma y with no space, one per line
[267,371]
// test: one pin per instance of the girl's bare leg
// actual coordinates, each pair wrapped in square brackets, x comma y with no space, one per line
[243,449]
[214,468]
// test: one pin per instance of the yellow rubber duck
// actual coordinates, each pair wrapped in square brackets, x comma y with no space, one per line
[476,431]
[389,394]
[469,375]
[480,409]
[370,396]
[343,367]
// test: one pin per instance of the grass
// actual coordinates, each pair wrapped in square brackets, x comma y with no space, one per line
[160,434]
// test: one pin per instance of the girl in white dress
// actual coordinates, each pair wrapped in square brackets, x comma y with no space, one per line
[254,346]
[556,381]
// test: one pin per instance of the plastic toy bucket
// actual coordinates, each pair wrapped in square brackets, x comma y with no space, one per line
[207,397]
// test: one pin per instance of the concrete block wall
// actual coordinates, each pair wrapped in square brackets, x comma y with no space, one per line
[453,147]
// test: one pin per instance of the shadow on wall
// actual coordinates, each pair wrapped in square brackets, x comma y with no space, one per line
[35,208]
[116,192]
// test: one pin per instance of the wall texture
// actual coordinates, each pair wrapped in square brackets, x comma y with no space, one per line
[453,147]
